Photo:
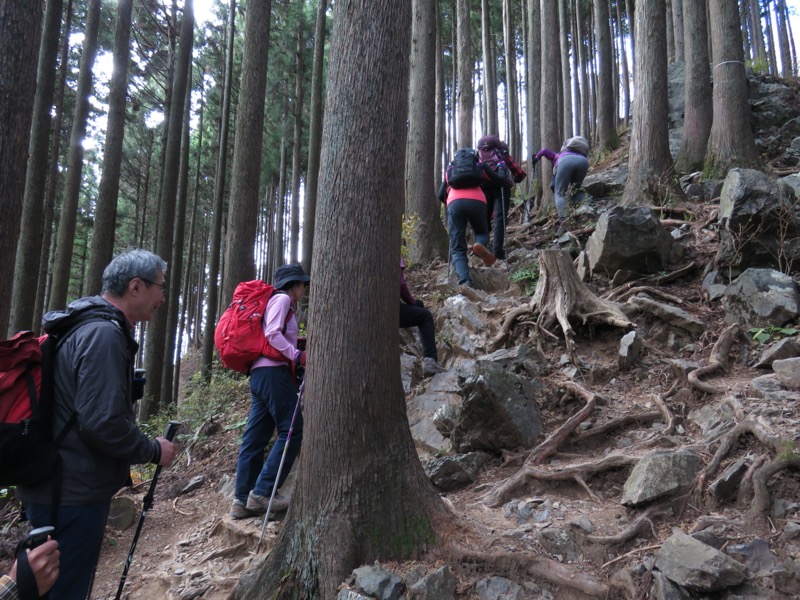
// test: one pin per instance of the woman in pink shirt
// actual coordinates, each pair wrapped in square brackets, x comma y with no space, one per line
[272,404]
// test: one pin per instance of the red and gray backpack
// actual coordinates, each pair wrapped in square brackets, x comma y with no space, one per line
[239,336]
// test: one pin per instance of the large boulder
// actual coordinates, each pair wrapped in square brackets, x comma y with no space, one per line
[629,238]
[696,566]
[759,224]
[658,473]
[499,411]
[760,298]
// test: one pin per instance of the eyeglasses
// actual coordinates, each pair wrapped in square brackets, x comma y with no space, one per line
[163,286]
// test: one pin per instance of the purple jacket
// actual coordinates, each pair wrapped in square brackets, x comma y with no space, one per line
[553,157]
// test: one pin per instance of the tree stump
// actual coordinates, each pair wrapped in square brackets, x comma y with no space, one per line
[561,295]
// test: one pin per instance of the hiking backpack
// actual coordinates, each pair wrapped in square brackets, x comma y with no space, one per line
[28,450]
[239,336]
[465,170]
[492,158]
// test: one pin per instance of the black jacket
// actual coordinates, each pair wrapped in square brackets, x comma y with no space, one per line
[93,377]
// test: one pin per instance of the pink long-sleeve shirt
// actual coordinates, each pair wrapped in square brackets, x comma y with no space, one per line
[286,343]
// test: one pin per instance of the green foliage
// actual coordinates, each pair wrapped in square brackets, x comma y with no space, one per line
[212,401]
[762,335]
[758,65]
[787,449]
[409,228]
[527,278]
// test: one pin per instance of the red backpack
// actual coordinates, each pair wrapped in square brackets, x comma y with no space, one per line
[239,336]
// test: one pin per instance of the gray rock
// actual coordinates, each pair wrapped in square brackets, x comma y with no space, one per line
[658,473]
[756,216]
[193,484]
[672,315]
[787,371]
[713,419]
[421,410]
[439,585]
[764,385]
[714,286]
[727,485]
[559,542]
[629,238]
[122,513]
[346,594]
[499,411]
[664,589]
[499,588]
[455,472]
[760,298]
[696,566]
[785,348]
[757,557]
[630,348]
[379,583]
[522,359]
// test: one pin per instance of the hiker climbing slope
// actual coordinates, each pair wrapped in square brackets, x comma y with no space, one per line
[414,314]
[570,166]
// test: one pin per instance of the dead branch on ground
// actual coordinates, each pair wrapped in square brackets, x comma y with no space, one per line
[717,361]
[560,294]
[537,566]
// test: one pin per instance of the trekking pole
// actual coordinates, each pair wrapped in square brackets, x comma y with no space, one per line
[280,465]
[147,504]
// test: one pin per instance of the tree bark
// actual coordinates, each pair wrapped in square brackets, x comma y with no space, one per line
[698,110]
[466,96]
[651,177]
[731,142]
[512,103]
[62,269]
[245,177]
[29,246]
[491,126]
[607,137]
[155,347]
[677,25]
[297,142]
[548,103]
[373,502]
[567,128]
[534,85]
[105,220]
[212,295]
[314,135]
[429,238]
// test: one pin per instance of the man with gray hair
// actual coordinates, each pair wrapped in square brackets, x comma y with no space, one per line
[93,414]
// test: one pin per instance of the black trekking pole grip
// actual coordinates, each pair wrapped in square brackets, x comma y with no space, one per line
[147,504]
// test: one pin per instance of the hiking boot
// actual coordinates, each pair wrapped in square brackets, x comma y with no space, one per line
[239,510]
[431,367]
[258,504]
[482,253]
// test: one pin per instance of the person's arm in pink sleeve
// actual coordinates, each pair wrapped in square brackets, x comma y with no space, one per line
[277,309]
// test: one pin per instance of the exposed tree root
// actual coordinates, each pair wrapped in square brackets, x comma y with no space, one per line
[718,360]
[757,515]
[647,290]
[626,289]
[727,443]
[508,321]
[560,294]
[610,426]
[539,567]
[504,490]
[555,439]
[669,418]
[644,521]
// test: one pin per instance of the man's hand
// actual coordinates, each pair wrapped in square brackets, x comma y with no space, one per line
[168,451]
[44,561]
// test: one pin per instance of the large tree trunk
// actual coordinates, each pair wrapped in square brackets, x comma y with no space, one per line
[29,246]
[314,135]
[212,296]
[246,174]
[607,137]
[65,241]
[651,176]
[440,135]
[373,502]
[466,96]
[105,220]
[567,127]
[155,348]
[534,86]
[429,239]
[489,72]
[783,38]
[678,27]
[698,111]
[623,59]
[731,143]
[512,103]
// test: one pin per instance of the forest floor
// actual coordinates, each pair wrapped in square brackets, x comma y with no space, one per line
[190,548]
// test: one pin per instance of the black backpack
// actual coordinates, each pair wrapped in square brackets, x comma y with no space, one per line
[465,170]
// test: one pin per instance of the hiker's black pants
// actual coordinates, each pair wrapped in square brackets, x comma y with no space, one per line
[418,316]
[497,205]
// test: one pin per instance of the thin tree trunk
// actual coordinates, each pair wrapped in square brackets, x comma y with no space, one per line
[607,137]
[155,347]
[466,96]
[105,220]
[212,296]
[566,75]
[623,59]
[29,246]
[69,202]
[489,71]
[678,28]
[534,89]
[314,135]
[551,137]
[512,106]
[297,141]
[783,38]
